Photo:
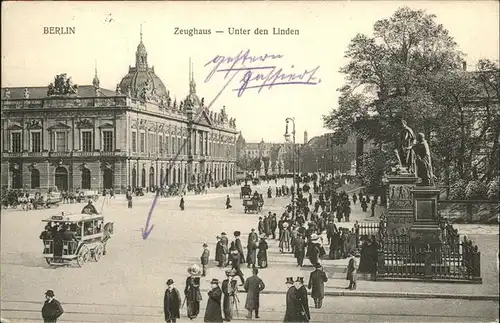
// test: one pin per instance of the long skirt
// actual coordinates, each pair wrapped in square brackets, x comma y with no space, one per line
[193,309]
[228,307]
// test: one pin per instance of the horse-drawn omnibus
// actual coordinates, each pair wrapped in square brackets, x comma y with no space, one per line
[75,237]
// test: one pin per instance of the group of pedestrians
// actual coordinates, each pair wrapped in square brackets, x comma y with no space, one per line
[222,301]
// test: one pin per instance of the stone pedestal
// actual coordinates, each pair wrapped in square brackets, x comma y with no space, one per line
[425,234]
[400,203]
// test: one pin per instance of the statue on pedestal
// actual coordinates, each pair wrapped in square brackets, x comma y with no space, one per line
[423,160]
[404,151]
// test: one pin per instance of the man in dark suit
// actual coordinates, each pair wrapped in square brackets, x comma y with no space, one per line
[205,256]
[235,259]
[51,309]
[317,281]
[239,246]
[171,303]
[300,250]
[253,286]
[302,300]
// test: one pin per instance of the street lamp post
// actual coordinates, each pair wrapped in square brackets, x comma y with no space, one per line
[287,136]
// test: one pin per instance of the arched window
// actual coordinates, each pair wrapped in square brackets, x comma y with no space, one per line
[134,178]
[85,179]
[151,177]
[143,178]
[35,178]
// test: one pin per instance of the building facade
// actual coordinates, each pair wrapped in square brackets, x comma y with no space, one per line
[277,157]
[87,137]
[320,154]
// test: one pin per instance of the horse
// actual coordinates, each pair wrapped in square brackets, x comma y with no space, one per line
[107,231]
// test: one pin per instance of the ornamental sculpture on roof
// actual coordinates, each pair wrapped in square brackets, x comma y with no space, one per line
[62,85]
[6,94]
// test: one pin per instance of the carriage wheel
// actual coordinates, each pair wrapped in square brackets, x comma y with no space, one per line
[49,261]
[98,252]
[83,256]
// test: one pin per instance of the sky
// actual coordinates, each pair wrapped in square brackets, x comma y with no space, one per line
[108,33]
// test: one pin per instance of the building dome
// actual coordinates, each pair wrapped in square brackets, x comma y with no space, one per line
[141,81]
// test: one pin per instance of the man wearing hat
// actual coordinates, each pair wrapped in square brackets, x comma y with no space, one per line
[235,258]
[171,303]
[239,246]
[213,313]
[253,286]
[260,226]
[291,301]
[300,250]
[205,256]
[317,281]
[302,304]
[51,309]
[314,250]
[252,249]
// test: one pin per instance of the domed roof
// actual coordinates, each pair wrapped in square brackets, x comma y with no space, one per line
[141,81]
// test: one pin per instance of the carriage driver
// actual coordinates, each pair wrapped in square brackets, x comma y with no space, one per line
[89,209]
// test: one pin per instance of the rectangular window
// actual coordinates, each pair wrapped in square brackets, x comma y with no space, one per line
[134,141]
[143,142]
[167,145]
[107,140]
[151,142]
[36,142]
[160,144]
[87,142]
[61,141]
[200,143]
[15,142]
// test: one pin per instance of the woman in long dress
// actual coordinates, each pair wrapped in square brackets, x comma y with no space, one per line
[230,292]
[262,254]
[192,291]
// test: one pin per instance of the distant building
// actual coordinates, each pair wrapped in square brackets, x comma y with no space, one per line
[88,137]
[276,156]
[319,154]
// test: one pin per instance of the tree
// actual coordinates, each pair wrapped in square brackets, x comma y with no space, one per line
[411,69]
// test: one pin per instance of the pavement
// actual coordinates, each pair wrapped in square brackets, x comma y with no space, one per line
[132,275]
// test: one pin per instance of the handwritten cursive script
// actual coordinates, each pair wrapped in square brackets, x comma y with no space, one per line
[258,76]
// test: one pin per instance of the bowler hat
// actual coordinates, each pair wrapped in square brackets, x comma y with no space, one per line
[205,245]
[170,282]
[223,234]
[317,265]
[49,293]
[237,233]
[289,280]
[214,281]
